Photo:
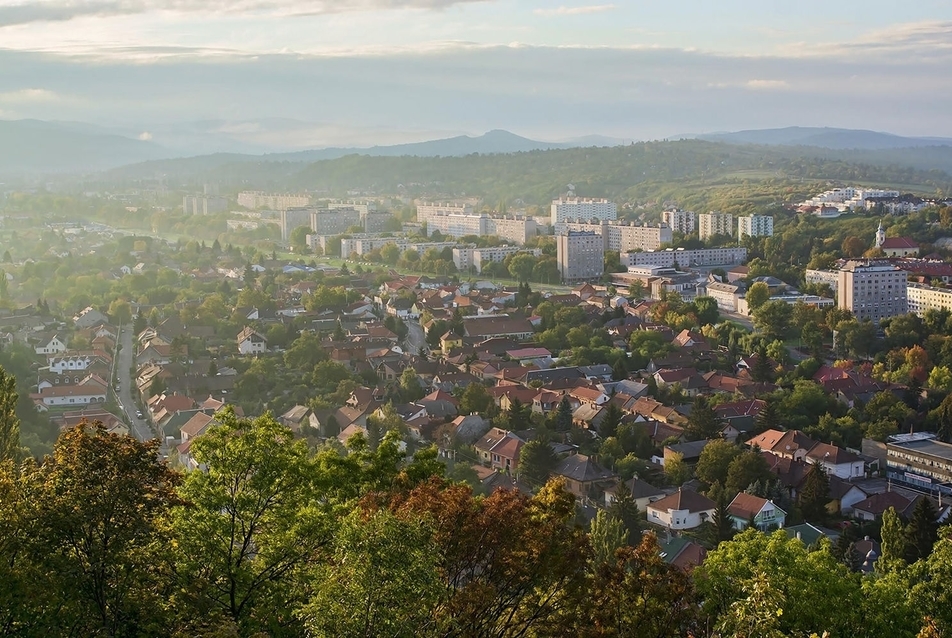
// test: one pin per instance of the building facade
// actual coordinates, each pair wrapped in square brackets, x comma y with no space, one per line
[872,290]
[426,210]
[699,257]
[715,223]
[291,218]
[829,277]
[332,222]
[566,208]
[922,298]
[273,201]
[680,221]
[920,460]
[621,236]
[580,255]
[755,226]
[203,205]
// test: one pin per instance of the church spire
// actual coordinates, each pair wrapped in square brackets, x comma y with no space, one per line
[880,235]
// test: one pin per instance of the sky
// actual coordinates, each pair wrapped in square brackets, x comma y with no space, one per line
[287,74]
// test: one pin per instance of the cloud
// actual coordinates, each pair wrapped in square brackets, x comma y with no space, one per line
[767,85]
[24,96]
[574,11]
[61,10]
[145,136]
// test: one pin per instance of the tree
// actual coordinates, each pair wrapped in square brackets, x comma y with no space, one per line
[298,239]
[475,400]
[9,422]
[893,544]
[98,536]
[563,415]
[703,422]
[620,372]
[390,253]
[606,534]
[942,417]
[706,310]
[120,311]
[747,468]
[922,532]
[815,494]
[537,459]
[381,580]
[773,319]
[768,418]
[518,416]
[625,509]
[722,521]
[410,386]
[254,525]
[854,246]
[715,460]
[608,427]
[521,267]
[757,295]
[676,470]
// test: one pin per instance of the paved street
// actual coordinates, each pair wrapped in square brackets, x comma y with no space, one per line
[416,338]
[140,428]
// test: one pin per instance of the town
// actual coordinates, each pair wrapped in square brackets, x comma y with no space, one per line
[672,375]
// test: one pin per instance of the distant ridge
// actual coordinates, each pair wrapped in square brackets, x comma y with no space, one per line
[831,138]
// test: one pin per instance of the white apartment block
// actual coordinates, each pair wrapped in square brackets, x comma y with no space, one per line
[580,255]
[426,210]
[375,221]
[458,225]
[680,221]
[362,245]
[622,236]
[828,277]
[467,258]
[685,258]
[725,294]
[362,207]
[847,198]
[332,222]
[203,205]
[516,229]
[566,208]
[872,290]
[755,226]
[274,201]
[715,223]
[922,298]
[291,218]
[811,300]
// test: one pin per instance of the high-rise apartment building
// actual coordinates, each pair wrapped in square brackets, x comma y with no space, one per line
[272,201]
[872,290]
[204,204]
[755,226]
[580,255]
[680,221]
[426,210]
[714,223]
[623,236]
[292,218]
[333,222]
[579,208]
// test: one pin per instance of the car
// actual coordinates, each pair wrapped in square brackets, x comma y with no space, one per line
[139,413]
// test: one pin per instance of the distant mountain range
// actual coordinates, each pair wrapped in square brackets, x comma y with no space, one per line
[33,147]
[831,138]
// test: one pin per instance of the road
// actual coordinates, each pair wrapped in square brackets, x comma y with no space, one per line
[140,428]
[416,338]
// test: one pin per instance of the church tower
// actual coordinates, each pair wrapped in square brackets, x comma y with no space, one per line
[880,235]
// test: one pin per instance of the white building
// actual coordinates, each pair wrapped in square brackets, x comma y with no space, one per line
[54,345]
[203,205]
[580,255]
[426,210]
[667,258]
[811,300]
[251,342]
[872,290]
[829,277]
[922,298]
[273,201]
[715,223]
[680,221]
[685,509]
[755,226]
[566,208]
[622,236]
[725,294]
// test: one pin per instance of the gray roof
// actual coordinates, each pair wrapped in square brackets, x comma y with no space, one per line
[581,468]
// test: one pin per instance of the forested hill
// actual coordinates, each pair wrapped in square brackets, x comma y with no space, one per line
[621,172]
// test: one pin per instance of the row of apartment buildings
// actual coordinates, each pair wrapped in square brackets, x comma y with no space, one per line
[332,221]
[715,223]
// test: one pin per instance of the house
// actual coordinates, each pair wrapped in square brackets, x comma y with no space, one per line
[805,533]
[299,417]
[53,345]
[499,449]
[764,514]
[899,247]
[251,342]
[685,509]
[642,492]
[582,474]
[89,317]
[92,389]
[837,461]
[499,325]
[873,507]
[844,496]
[792,444]
[683,553]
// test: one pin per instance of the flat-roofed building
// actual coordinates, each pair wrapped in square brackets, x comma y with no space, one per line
[922,298]
[755,226]
[919,459]
[872,290]
[566,208]
[715,223]
[726,256]
[580,255]
[622,236]
[680,221]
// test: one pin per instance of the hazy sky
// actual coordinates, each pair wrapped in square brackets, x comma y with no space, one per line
[364,71]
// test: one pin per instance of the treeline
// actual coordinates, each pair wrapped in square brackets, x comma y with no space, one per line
[270,538]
